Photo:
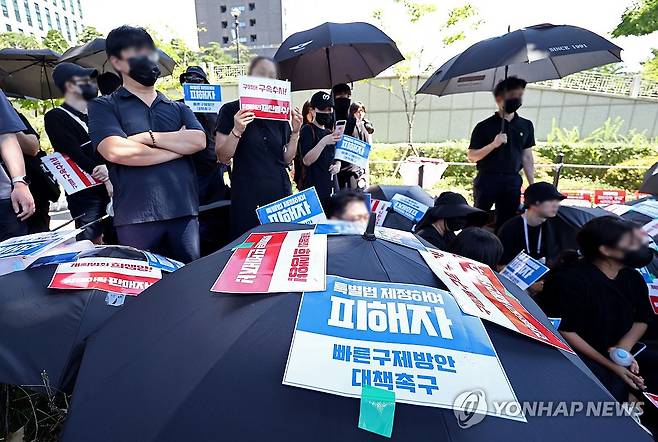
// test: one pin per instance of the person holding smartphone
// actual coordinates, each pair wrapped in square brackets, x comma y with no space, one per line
[317,143]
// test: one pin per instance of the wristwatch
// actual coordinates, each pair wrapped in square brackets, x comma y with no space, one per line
[19,179]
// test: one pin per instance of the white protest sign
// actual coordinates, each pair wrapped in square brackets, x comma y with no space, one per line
[648,208]
[380,209]
[400,237]
[19,252]
[267,98]
[618,209]
[68,174]
[408,207]
[413,340]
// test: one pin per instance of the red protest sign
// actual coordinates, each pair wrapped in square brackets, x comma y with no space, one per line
[653,398]
[124,276]
[479,292]
[267,98]
[276,262]
[606,197]
[68,174]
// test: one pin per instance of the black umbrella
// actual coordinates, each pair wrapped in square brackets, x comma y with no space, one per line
[650,183]
[187,364]
[28,73]
[385,193]
[569,220]
[45,330]
[335,53]
[536,53]
[92,55]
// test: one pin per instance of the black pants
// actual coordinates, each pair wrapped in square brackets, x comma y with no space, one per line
[176,238]
[10,226]
[88,208]
[503,190]
[40,220]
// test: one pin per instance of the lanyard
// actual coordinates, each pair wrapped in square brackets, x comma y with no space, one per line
[76,118]
[527,241]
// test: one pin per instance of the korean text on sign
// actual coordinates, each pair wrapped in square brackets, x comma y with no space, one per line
[302,208]
[353,151]
[524,270]
[68,174]
[203,98]
[410,339]
[267,98]
[408,207]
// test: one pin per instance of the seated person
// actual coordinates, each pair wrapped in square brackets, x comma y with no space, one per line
[348,205]
[451,213]
[479,245]
[603,304]
[528,232]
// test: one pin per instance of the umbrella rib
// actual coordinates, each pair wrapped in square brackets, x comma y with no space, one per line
[372,73]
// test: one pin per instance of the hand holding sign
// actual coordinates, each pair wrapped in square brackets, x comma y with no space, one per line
[241,119]
[265,97]
[297,120]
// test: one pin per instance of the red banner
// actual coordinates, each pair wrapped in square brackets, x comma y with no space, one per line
[605,197]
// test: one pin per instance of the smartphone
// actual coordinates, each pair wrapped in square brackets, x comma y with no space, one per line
[340,127]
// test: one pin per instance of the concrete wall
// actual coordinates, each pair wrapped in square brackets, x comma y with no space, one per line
[452,117]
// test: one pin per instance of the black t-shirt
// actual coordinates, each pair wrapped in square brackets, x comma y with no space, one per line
[205,161]
[432,236]
[506,159]
[601,310]
[512,236]
[147,193]
[317,174]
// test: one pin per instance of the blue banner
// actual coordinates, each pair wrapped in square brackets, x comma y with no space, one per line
[408,207]
[203,98]
[162,262]
[337,227]
[301,208]
[353,151]
[524,270]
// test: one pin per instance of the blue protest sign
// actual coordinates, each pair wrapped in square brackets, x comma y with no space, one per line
[203,98]
[648,208]
[162,262]
[301,208]
[555,322]
[408,207]
[524,270]
[409,339]
[368,199]
[336,227]
[353,151]
[646,275]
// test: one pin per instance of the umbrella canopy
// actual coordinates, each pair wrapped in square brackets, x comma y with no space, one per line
[210,367]
[569,220]
[45,329]
[28,73]
[395,220]
[650,183]
[92,55]
[333,53]
[536,53]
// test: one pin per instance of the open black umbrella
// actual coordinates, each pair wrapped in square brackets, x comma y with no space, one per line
[183,363]
[650,183]
[386,192]
[92,55]
[333,53]
[28,73]
[536,53]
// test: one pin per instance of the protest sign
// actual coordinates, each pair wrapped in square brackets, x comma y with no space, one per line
[524,270]
[653,295]
[302,208]
[68,174]
[67,252]
[367,198]
[480,293]
[408,207]
[162,262]
[266,98]
[337,227]
[648,208]
[409,339]
[651,228]
[203,98]
[380,209]
[400,237]
[353,151]
[276,262]
[116,275]
[618,209]
[653,398]
[580,198]
[19,252]
[609,196]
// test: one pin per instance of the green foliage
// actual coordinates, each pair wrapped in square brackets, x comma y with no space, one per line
[630,178]
[18,40]
[88,34]
[650,66]
[55,40]
[639,19]
[417,10]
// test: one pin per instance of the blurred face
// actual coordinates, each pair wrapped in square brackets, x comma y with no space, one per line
[514,94]
[547,209]
[264,68]
[322,117]
[355,211]
[122,64]
[360,114]
[82,87]
[194,78]
[627,243]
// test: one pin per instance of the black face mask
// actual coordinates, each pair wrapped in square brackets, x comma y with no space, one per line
[89,91]
[342,106]
[323,119]
[455,224]
[638,258]
[143,70]
[511,105]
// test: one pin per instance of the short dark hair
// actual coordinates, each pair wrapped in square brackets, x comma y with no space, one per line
[340,89]
[479,245]
[125,37]
[601,231]
[509,84]
[340,200]
[108,82]
[257,59]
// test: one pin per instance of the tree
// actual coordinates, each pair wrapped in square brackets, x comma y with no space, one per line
[214,53]
[55,40]
[18,40]
[641,19]
[88,34]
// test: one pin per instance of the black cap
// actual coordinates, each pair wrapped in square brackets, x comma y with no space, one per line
[196,70]
[63,72]
[452,205]
[322,100]
[539,192]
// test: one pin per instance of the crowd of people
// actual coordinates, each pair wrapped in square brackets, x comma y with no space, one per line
[158,162]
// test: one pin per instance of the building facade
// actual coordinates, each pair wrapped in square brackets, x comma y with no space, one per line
[37,17]
[260,23]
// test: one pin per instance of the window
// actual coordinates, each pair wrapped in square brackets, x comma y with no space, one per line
[252,22]
[63,2]
[252,38]
[49,22]
[68,29]
[225,40]
[75,28]
[58,22]
[8,28]
[79,9]
[222,9]
[17,11]
[37,11]
[72,6]
[28,14]
[252,6]
[224,24]
[5,10]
